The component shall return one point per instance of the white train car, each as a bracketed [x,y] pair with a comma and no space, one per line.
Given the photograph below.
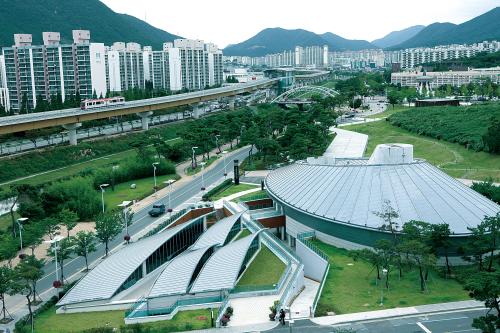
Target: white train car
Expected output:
[90,104]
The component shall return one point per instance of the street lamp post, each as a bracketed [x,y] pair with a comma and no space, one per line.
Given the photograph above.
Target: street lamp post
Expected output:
[202,179]
[20,222]
[193,163]
[217,142]
[224,153]
[169,184]
[154,173]
[102,186]
[57,283]
[124,205]
[384,274]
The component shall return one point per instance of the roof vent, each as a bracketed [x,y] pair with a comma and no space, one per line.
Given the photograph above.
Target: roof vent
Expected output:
[392,153]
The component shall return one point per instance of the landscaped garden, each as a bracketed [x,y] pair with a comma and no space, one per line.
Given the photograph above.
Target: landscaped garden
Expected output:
[50,322]
[452,158]
[233,189]
[351,286]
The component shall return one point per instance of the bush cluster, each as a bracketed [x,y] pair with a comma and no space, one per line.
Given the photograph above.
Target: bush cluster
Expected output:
[476,127]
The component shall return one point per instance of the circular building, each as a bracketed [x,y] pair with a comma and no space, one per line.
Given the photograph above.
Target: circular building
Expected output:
[342,199]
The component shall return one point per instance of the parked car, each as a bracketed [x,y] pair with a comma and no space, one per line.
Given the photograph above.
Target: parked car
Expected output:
[158,209]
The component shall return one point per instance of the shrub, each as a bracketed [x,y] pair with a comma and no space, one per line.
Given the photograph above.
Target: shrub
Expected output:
[219,188]
[488,189]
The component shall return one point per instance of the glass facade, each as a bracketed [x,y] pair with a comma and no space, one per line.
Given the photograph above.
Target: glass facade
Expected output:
[234,230]
[175,245]
[254,247]
[131,280]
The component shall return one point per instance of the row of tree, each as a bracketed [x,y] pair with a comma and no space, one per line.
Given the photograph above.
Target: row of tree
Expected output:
[22,278]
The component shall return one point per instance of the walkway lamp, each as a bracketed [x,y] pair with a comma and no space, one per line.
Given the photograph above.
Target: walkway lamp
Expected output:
[20,222]
[217,142]
[124,205]
[202,179]
[155,164]
[224,153]
[384,274]
[57,283]
[169,184]
[102,186]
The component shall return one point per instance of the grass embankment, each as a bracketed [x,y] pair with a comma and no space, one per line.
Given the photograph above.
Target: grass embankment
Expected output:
[144,188]
[50,322]
[266,269]
[6,221]
[452,158]
[232,190]
[350,286]
[243,233]
[251,195]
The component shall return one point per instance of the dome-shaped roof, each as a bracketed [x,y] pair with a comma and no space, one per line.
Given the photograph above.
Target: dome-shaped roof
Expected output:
[354,192]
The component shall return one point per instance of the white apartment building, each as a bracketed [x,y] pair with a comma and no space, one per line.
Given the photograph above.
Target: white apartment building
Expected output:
[411,58]
[47,70]
[311,56]
[4,92]
[125,67]
[433,80]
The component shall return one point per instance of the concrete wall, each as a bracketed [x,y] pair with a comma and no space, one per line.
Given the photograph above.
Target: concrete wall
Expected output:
[314,265]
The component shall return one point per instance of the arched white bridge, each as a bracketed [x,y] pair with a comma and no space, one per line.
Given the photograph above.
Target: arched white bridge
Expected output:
[299,91]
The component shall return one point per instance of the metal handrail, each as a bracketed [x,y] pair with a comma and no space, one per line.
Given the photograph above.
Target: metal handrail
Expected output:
[320,290]
[304,238]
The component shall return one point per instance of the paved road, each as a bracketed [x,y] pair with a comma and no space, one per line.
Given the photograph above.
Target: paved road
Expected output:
[141,219]
[450,322]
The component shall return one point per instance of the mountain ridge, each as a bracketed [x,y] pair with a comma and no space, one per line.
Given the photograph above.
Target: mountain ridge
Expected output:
[397,37]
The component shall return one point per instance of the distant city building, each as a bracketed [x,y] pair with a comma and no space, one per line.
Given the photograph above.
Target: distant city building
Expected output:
[242,75]
[51,69]
[4,92]
[411,58]
[432,80]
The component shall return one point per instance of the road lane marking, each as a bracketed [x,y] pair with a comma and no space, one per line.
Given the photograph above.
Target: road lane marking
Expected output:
[457,318]
[425,329]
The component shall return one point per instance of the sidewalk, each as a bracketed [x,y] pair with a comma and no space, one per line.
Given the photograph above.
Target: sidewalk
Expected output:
[346,144]
[397,312]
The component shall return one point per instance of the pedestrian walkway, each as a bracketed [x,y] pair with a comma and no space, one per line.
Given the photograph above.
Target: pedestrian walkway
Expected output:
[302,305]
[347,144]
[219,203]
[251,310]
[397,312]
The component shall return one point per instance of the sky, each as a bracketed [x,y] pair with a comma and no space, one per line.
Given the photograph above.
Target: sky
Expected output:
[232,21]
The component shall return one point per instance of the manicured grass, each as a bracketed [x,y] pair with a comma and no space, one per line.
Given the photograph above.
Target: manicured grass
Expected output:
[266,269]
[390,110]
[190,171]
[250,195]
[242,234]
[144,187]
[350,286]
[50,322]
[452,158]
[232,190]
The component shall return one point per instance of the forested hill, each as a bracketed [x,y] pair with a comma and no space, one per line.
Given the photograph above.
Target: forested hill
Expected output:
[106,26]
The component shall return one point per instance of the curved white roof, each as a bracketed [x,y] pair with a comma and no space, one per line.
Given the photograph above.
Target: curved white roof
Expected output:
[105,279]
[353,193]
[176,276]
[221,270]
[216,234]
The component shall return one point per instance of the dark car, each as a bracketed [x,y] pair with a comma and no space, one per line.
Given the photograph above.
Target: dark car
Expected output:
[158,209]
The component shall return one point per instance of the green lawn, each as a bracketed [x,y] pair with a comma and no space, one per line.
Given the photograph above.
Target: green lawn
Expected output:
[452,158]
[266,269]
[144,187]
[350,287]
[50,322]
[232,190]
[389,111]
[251,195]
[242,234]
[190,171]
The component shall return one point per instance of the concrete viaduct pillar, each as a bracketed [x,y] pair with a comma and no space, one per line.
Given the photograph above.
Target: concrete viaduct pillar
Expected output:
[145,116]
[196,111]
[71,128]
[232,101]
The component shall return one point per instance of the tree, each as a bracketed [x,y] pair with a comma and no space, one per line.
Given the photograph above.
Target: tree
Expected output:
[487,324]
[68,218]
[84,242]
[440,240]
[107,227]
[64,251]
[52,227]
[27,272]
[393,98]
[9,247]
[485,287]
[6,281]
[483,241]
[33,236]
[419,254]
